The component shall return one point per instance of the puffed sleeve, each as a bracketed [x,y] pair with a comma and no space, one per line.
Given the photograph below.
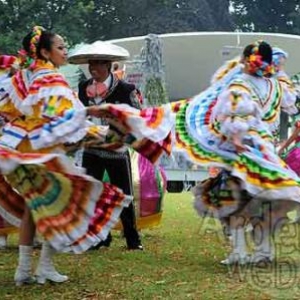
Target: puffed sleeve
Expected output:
[7,108]
[289,94]
[63,126]
[235,111]
[67,122]
[62,113]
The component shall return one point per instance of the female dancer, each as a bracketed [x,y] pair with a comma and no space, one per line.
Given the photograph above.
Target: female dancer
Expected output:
[292,148]
[292,157]
[70,210]
[7,69]
[232,126]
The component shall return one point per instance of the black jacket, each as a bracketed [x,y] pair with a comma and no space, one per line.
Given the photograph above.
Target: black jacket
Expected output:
[120,92]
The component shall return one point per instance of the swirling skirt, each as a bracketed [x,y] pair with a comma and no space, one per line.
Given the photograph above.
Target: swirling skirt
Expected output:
[71,210]
[293,159]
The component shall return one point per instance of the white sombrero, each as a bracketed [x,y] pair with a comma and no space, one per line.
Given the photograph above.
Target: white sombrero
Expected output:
[98,51]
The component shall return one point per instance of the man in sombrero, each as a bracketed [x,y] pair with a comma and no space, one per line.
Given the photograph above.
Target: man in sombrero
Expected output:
[105,87]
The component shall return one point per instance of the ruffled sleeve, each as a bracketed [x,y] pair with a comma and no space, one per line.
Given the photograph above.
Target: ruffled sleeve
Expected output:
[236,112]
[228,71]
[70,127]
[7,108]
[62,116]
[66,123]
[289,94]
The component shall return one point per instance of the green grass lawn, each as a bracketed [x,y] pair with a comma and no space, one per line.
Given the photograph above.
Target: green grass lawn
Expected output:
[180,261]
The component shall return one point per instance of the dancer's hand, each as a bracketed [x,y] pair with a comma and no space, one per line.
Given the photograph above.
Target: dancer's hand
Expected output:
[281,150]
[238,144]
[282,146]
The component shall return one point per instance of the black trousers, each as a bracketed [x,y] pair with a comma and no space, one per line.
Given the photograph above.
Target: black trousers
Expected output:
[119,172]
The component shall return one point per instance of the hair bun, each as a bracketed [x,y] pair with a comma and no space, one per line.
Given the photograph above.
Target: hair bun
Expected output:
[36,34]
[258,58]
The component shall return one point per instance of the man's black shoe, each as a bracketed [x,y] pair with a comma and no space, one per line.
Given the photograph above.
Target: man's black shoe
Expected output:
[105,243]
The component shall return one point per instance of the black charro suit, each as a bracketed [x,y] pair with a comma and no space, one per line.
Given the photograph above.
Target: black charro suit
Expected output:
[116,164]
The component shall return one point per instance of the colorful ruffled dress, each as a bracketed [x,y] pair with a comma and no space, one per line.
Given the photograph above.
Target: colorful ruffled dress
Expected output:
[71,210]
[293,155]
[249,106]
[148,131]
[6,63]
[204,128]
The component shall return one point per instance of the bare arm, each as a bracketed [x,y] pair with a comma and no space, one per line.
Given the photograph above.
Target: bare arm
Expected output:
[290,140]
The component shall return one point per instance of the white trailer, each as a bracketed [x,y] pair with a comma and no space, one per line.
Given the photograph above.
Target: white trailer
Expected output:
[191,58]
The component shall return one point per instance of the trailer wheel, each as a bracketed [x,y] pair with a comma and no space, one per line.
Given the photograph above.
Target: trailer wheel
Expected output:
[175,186]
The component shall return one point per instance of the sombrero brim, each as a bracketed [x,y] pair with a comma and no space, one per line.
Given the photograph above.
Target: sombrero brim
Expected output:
[98,51]
[85,58]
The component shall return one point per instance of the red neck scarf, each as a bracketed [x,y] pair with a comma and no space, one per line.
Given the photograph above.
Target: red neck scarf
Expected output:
[96,89]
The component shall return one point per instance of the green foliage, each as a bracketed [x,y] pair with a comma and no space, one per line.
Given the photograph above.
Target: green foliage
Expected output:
[134,18]
[90,20]
[66,17]
[180,261]
[279,16]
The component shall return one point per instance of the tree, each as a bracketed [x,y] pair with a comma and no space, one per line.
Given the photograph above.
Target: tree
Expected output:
[266,16]
[90,20]
[141,17]
[68,17]
[295,17]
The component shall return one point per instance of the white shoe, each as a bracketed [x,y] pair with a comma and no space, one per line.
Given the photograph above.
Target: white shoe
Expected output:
[239,254]
[235,258]
[264,251]
[22,278]
[261,257]
[42,275]
[23,272]
[46,270]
